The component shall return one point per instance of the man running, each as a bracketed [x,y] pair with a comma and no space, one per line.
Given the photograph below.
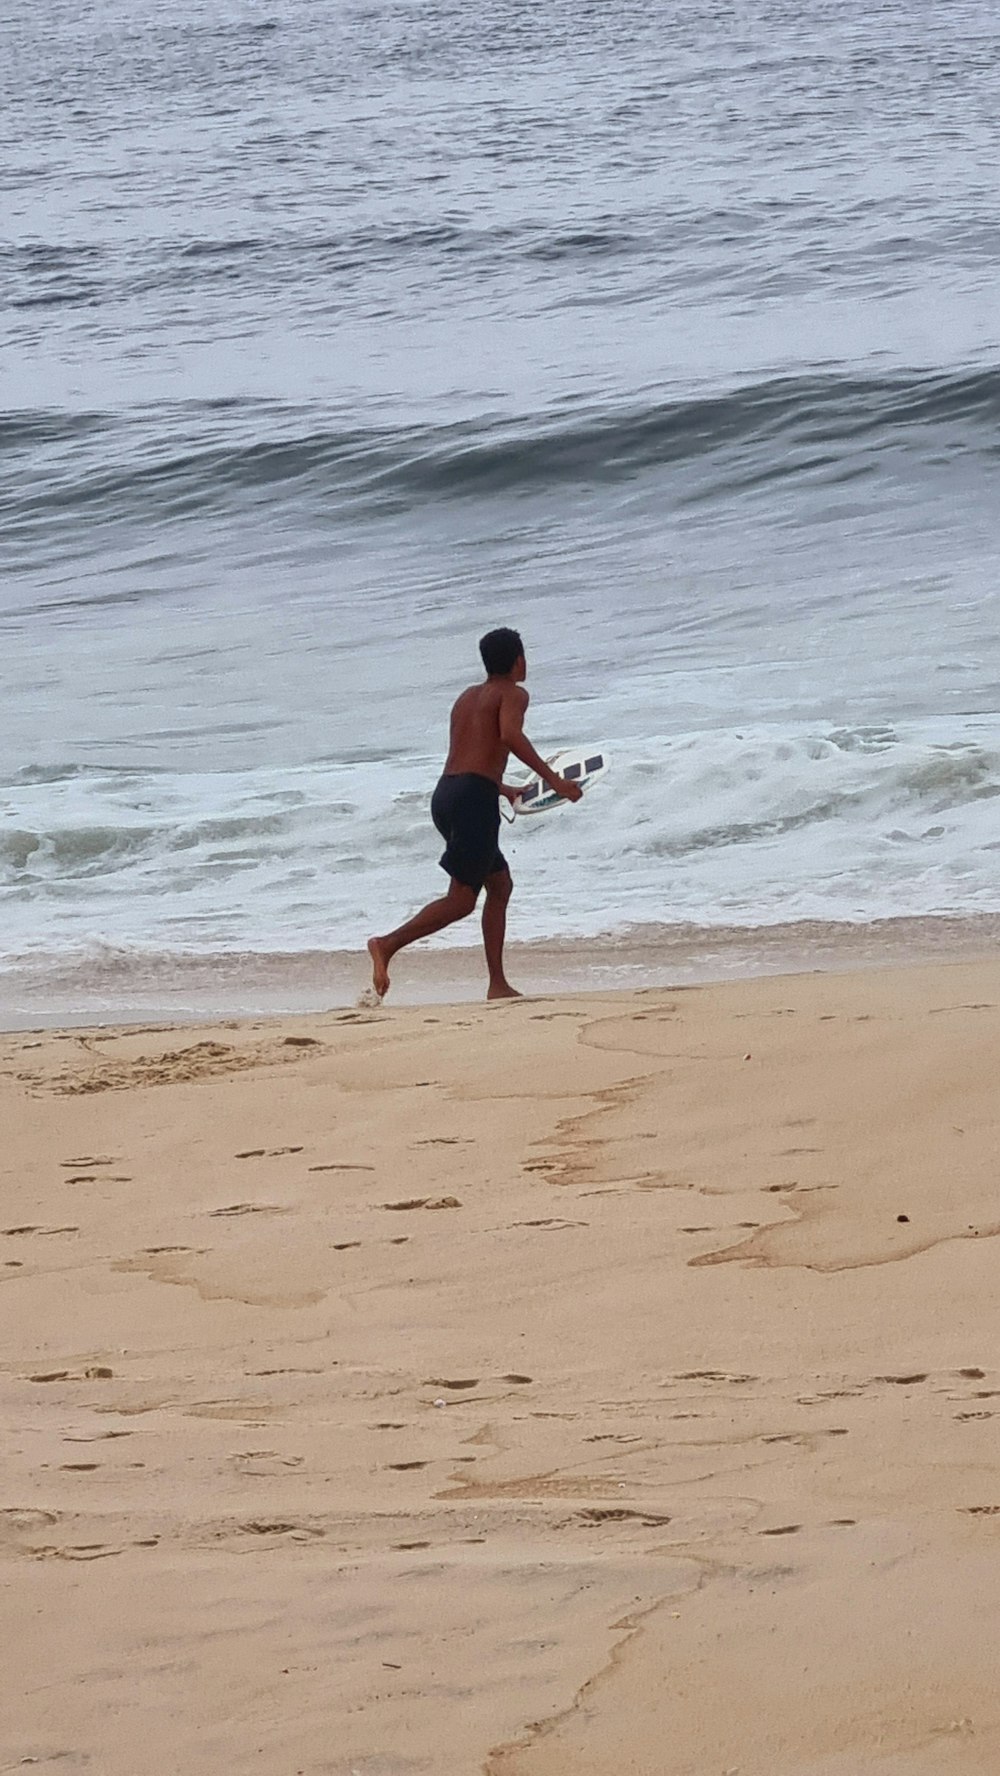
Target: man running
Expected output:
[487,723]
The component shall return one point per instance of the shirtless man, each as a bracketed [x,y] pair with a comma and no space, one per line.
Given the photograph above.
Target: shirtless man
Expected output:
[487,723]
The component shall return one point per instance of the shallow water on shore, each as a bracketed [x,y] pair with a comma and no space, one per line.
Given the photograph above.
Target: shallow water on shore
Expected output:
[121,987]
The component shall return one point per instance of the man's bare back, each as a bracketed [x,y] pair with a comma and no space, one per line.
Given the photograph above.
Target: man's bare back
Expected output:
[478,719]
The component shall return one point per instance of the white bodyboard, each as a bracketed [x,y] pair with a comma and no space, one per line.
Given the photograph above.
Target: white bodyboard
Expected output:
[582,765]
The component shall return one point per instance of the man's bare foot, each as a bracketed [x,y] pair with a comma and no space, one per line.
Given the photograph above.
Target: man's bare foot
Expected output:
[503,990]
[380,967]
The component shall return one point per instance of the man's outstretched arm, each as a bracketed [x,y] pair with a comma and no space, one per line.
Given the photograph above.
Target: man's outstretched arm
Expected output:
[516,740]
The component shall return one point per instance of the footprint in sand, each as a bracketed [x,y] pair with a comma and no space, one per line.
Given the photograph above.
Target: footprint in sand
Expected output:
[97,1372]
[16,1232]
[268,1152]
[805,1439]
[342,1166]
[21,1529]
[550,1224]
[426,1202]
[292,1369]
[264,1463]
[250,1209]
[622,1514]
[298,1532]
[79,1551]
[99,1437]
[17,1521]
[611,1437]
[714,1375]
[93,1178]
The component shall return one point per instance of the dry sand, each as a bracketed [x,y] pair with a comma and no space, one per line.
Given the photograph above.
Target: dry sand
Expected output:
[570,1388]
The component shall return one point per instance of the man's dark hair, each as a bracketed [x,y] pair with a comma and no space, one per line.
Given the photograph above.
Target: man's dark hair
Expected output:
[500,649]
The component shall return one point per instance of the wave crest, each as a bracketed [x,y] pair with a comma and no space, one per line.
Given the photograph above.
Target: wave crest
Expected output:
[830,426]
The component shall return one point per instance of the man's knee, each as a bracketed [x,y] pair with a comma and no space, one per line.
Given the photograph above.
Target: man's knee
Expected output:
[500,887]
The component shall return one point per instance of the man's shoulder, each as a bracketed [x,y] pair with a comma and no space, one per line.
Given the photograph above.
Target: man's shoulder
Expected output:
[515,693]
[494,692]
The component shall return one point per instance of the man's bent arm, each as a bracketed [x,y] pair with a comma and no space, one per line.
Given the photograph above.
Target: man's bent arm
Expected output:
[516,740]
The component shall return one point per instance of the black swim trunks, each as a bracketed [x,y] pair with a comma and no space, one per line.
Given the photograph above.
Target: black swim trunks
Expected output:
[466,811]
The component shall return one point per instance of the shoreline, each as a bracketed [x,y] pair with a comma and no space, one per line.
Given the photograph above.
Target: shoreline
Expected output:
[121,988]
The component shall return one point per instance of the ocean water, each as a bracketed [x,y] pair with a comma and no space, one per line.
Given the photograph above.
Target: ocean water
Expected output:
[332,336]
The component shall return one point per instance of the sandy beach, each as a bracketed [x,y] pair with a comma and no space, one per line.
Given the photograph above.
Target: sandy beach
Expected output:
[571,1387]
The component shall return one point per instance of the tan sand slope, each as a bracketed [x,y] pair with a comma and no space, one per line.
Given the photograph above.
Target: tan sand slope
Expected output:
[591,1386]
